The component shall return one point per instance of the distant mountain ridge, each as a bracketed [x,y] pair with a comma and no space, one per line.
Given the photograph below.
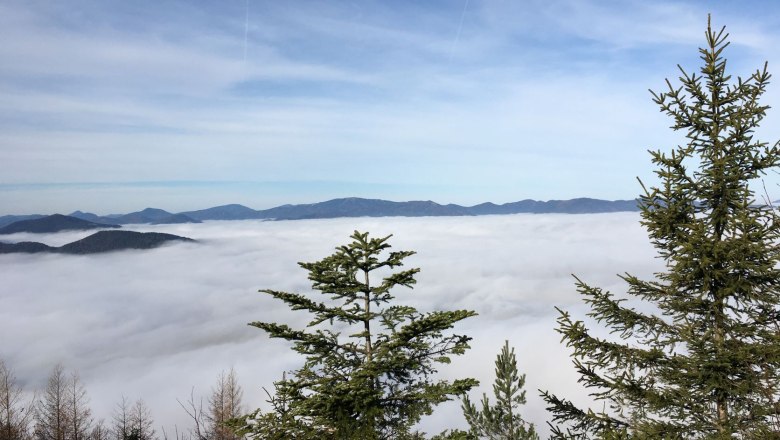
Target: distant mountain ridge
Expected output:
[224,212]
[102,241]
[152,216]
[353,207]
[6,220]
[359,207]
[53,223]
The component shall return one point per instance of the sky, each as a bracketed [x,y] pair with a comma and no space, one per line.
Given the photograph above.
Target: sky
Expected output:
[114,106]
[163,323]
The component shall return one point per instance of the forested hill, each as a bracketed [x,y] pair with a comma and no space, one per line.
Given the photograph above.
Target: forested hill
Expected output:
[103,241]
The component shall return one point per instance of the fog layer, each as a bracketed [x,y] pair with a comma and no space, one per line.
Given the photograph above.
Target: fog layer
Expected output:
[154,324]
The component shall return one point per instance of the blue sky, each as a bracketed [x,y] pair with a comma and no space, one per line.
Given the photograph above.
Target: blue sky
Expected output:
[112,106]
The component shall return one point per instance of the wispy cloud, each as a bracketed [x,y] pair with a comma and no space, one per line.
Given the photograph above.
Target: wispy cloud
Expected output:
[532,99]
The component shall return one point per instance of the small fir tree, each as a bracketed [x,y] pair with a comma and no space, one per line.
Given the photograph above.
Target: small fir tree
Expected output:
[16,413]
[224,405]
[141,423]
[99,431]
[370,364]
[501,421]
[703,361]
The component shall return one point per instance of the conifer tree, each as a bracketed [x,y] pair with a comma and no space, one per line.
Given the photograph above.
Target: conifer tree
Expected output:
[77,409]
[141,422]
[501,421]
[132,421]
[100,432]
[15,413]
[701,359]
[121,423]
[51,417]
[224,405]
[370,363]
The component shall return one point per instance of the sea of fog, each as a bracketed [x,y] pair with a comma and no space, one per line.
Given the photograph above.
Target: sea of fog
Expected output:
[161,323]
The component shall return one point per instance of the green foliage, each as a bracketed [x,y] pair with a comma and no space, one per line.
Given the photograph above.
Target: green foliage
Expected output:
[700,359]
[502,420]
[369,365]
[455,434]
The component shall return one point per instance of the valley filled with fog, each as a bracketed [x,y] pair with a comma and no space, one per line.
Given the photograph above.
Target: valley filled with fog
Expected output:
[154,324]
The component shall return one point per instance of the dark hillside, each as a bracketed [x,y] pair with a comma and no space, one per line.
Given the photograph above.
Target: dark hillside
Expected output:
[107,241]
[53,223]
[25,247]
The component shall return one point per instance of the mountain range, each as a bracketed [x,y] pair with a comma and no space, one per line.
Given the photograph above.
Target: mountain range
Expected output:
[349,207]
[53,223]
[147,216]
[102,241]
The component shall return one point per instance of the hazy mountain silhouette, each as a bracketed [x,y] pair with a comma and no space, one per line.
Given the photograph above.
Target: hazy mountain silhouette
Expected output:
[88,216]
[224,212]
[175,219]
[149,215]
[573,206]
[53,223]
[8,219]
[359,207]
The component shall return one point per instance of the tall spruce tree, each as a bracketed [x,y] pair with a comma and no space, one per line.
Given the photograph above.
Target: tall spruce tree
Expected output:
[77,409]
[370,364]
[51,416]
[704,363]
[501,421]
[121,424]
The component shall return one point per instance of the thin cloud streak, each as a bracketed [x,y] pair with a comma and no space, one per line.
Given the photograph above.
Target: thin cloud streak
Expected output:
[157,92]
